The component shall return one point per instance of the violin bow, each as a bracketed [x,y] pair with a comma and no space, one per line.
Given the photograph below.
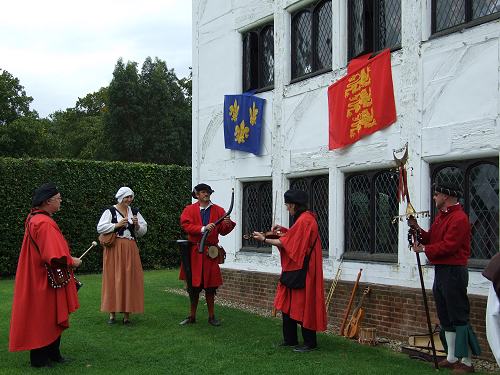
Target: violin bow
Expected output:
[219,220]
[410,211]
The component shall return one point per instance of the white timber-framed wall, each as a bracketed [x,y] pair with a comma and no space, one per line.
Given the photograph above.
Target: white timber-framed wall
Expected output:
[447,103]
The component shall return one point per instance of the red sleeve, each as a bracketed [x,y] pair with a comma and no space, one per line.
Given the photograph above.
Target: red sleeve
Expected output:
[225,228]
[187,221]
[299,238]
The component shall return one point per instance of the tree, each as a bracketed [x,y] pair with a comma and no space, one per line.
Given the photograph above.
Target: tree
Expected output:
[122,120]
[81,129]
[149,114]
[27,136]
[14,103]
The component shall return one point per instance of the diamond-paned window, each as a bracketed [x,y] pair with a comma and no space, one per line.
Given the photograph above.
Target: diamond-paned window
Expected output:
[453,15]
[317,189]
[479,182]
[312,39]
[373,26]
[257,212]
[371,204]
[258,58]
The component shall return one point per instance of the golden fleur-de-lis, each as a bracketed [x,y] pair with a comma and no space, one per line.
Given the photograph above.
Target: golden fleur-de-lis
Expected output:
[233,110]
[241,132]
[253,114]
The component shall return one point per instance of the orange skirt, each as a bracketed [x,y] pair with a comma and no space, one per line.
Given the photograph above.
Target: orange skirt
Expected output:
[122,278]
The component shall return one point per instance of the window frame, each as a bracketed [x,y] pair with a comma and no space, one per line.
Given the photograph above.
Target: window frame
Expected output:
[372,256]
[310,181]
[465,166]
[468,23]
[256,60]
[313,10]
[259,247]
[371,29]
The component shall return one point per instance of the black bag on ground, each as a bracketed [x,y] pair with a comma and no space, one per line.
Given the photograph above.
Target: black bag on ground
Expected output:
[297,279]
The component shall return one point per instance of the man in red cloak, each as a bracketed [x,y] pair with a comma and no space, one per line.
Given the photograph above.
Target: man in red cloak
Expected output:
[40,312]
[304,306]
[205,271]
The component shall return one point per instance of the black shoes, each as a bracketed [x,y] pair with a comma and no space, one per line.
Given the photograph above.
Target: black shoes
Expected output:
[111,321]
[126,321]
[287,344]
[188,320]
[214,321]
[303,349]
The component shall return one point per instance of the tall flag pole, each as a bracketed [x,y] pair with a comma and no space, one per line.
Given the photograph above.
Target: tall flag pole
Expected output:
[403,195]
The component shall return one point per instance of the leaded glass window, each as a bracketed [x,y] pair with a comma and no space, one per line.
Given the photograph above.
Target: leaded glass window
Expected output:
[452,15]
[312,39]
[371,204]
[317,189]
[479,182]
[257,212]
[258,58]
[373,26]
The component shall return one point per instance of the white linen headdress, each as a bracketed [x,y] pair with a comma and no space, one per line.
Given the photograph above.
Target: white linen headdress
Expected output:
[123,192]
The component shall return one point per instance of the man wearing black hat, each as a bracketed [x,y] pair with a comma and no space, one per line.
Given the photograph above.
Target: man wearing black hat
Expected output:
[300,248]
[196,219]
[41,306]
[447,246]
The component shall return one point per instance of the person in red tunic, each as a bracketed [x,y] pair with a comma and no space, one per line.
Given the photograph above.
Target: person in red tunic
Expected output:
[205,271]
[40,312]
[447,246]
[305,306]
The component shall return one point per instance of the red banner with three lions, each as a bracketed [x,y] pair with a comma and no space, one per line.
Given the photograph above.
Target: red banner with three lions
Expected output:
[362,102]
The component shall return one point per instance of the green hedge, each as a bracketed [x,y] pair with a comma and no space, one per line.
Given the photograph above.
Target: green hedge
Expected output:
[87,189]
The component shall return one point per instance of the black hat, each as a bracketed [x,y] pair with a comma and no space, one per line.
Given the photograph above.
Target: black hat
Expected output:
[449,189]
[201,187]
[297,197]
[42,193]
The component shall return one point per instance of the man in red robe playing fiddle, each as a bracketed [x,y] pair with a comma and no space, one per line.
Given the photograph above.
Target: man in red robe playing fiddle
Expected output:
[304,306]
[195,220]
[40,312]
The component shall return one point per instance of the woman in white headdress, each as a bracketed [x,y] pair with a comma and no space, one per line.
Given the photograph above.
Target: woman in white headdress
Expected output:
[122,276]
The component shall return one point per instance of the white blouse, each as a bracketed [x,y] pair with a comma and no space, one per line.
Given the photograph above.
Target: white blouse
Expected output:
[106,226]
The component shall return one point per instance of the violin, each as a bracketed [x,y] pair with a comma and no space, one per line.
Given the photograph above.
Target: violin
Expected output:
[273,235]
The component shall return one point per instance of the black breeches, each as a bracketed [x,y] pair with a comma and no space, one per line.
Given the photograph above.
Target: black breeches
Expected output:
[290,333]
[450,295]
[41,356]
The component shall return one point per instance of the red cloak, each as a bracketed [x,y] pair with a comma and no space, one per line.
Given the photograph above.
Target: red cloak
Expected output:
[39,312]
[201,264]
[305,305]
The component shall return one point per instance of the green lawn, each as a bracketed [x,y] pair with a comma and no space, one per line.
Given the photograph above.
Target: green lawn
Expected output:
[156,344]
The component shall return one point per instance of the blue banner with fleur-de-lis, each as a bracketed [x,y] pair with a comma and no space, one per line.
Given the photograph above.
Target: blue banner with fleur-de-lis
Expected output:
[243,122]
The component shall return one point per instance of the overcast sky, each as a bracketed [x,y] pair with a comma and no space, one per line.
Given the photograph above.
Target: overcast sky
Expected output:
[63,50]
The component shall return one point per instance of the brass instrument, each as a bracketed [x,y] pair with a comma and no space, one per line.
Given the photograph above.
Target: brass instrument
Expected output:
[334,284]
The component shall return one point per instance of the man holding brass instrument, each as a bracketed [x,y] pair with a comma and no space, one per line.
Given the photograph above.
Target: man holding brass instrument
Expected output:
[197,219]
[45,291]
[447,246]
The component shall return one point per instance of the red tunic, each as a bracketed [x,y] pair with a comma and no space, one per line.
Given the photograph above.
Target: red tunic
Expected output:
[39,312]
[448,240]
[303,305]
[201,263]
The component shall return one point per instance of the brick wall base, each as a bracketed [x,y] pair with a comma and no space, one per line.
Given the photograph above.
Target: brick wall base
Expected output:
[395,312]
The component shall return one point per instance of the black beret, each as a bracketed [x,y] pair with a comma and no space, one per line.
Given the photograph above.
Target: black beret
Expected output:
[201,187]
[296,196]
[449,189]
[42,193]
